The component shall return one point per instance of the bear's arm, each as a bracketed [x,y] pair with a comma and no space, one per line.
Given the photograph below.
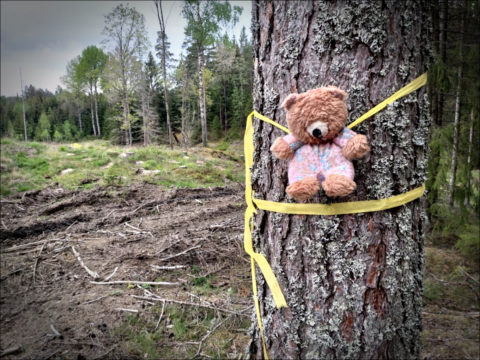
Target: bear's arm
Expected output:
[354,146]
[285,147]
[345,135]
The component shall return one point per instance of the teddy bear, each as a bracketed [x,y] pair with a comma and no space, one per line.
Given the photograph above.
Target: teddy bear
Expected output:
[320,149]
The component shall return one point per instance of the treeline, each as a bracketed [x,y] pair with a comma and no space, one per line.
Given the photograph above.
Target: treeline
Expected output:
[453,185]
[130,92]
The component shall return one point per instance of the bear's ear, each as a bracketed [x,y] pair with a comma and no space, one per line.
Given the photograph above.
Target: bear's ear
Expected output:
[289,101]
[336,92]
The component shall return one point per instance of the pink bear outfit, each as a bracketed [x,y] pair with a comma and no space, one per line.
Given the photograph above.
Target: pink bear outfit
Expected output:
[319,161]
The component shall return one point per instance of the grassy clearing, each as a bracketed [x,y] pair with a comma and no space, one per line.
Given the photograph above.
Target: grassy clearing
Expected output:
[32,165]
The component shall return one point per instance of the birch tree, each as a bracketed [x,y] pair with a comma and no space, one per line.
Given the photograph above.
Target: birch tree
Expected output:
[90,69]
[126,40]
[353,283]
[203,23]
[74,85]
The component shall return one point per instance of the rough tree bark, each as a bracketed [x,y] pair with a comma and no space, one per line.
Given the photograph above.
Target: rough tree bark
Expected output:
[353,283]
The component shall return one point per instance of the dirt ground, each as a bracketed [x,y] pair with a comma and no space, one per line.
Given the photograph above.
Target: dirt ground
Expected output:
[51,309]
[56,243]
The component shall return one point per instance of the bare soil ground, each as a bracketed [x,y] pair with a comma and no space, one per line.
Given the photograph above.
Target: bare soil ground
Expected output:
[51,309]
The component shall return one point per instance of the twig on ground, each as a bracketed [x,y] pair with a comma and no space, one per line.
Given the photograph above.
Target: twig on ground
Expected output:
[127,310]
[111,275]
[36,261]
[97,299]
[180,253]
[189,304]
[11,273]
[4,226]
[133,282]
[133,227]
[160,318]
[11,350]
[55,331]
[90,272]
[208,334]
[469,276]
[25,246]
[171,267]
[69,226]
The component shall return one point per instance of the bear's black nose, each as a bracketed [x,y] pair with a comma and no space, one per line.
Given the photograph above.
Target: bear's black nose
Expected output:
[317,133]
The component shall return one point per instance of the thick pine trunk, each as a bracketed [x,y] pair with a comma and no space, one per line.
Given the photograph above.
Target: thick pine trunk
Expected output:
[353,283]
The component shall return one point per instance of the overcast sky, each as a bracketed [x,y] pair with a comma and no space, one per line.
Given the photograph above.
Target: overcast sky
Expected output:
[41,37]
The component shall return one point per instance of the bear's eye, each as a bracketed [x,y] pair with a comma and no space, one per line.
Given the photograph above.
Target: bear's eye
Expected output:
[318,129]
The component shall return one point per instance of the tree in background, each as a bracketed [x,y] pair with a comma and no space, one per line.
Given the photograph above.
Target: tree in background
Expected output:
[164,54]
[149,87]
[74,84]
[90,69]
[203,23]
[353,283]
[126,39]
[42,130]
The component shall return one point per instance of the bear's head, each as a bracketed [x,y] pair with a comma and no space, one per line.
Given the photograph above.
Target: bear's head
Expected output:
[316,116]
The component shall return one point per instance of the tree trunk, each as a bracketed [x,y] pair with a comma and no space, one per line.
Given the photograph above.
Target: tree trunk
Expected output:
[201,98]
[99,132]
[92,112]
[456,123]
[161,21]
[353,283]
[442,48]
[79,114]
[469,161]
[23,108]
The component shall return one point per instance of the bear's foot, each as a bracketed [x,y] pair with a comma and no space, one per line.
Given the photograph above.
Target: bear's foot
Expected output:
[303,190]
[338,185]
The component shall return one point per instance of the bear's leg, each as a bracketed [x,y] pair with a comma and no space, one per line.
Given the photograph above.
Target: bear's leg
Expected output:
[304,189]
[338,185]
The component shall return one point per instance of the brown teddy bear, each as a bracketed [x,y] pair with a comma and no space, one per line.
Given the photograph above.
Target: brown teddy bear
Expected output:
[320,148]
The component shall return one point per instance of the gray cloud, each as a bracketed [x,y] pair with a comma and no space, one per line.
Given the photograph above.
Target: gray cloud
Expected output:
[42,36]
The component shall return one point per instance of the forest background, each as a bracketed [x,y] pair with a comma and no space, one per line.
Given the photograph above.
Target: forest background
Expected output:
[127,92]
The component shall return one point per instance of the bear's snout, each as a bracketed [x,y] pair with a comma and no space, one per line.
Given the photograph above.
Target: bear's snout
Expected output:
[318,129]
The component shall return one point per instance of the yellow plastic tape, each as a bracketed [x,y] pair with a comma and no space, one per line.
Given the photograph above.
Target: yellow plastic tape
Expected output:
[410,87]
[308,209]
[352,207]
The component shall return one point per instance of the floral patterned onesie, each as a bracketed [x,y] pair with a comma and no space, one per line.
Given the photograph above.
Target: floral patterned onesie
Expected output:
[319,161]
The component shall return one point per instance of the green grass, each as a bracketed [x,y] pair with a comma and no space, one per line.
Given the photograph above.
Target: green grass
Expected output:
[32,165]
[138,337]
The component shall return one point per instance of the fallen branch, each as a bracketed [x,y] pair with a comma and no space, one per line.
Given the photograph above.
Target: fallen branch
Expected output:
[180,253]
[118,282]
[127,310]
[189,304]
[55,331]
[160,318]
[90,272]
[208,334]
[36,261]
[93,300]
[172,267]
[111,275]
[11,350]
